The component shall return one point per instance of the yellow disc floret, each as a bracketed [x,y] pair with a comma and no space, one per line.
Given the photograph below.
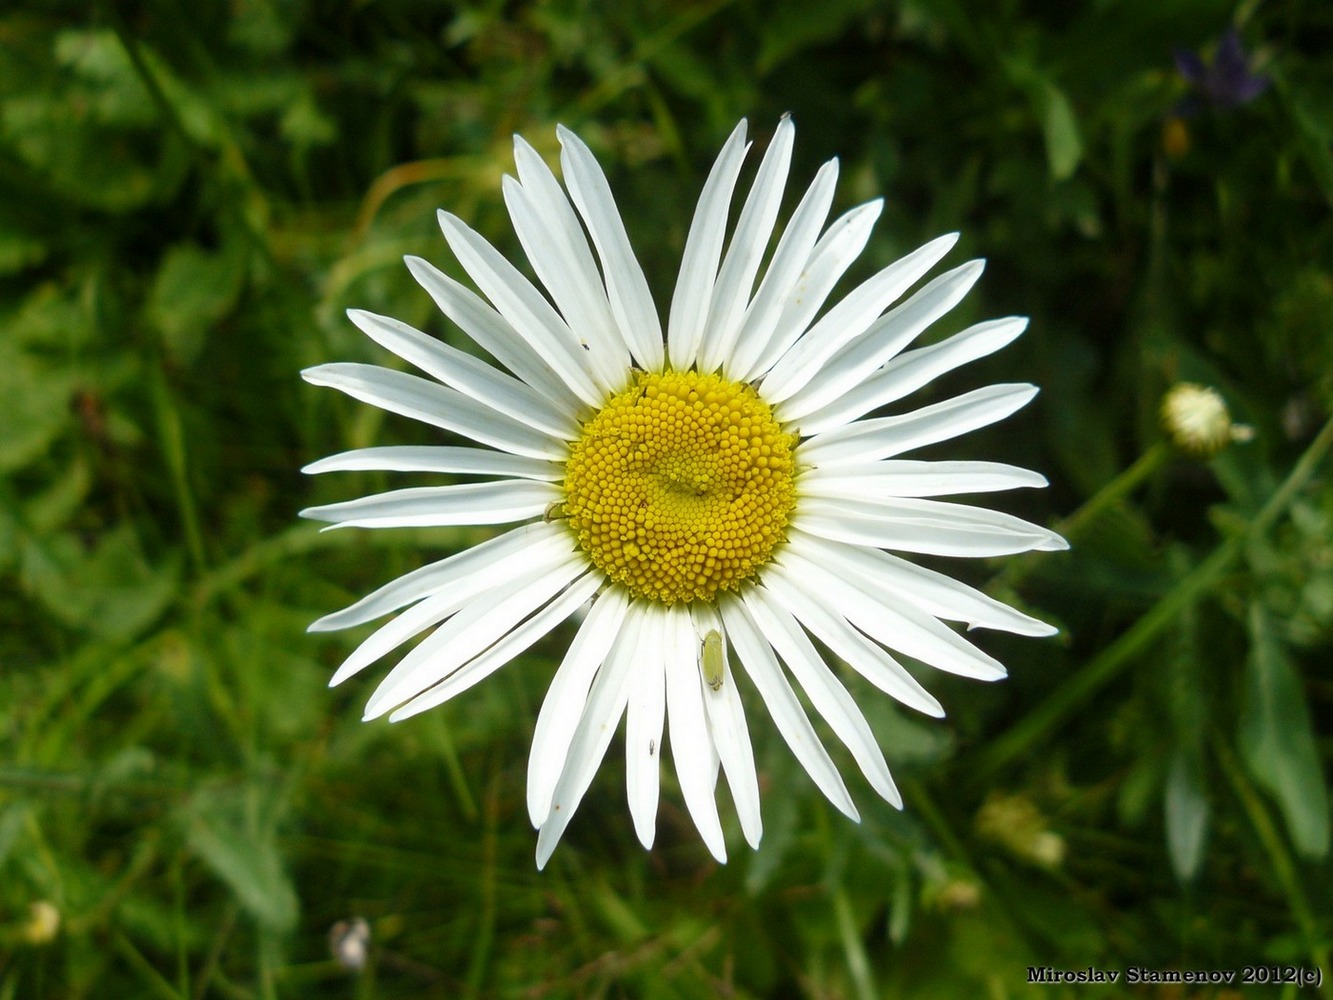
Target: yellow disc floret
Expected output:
[680,486]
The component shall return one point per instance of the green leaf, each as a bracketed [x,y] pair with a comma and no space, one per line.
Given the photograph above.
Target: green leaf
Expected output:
[243,852]
[36,405]
[1277,741]
[1064,144]
[193,290]
[1187,814]
[111,589]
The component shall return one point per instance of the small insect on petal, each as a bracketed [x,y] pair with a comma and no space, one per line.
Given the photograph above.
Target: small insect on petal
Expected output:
[711,659]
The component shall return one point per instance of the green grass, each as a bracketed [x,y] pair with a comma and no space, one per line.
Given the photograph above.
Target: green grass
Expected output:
[191,195]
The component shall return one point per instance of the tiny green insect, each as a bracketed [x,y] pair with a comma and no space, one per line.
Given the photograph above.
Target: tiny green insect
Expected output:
[712,659]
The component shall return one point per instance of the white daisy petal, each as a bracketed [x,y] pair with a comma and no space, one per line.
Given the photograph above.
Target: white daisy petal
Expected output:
[643,726]
[888,335]
[849,319]
[560,256]
[729,733]
[789,259]
[534,319]
[626,287]
[693,296]
[491,331]
[511,645]
[598,723]
[861,654]
[434,404]
[913,369]
[904,478]
[436,506]
[920,636]
[470,376]
[449,596]
[762,667]
[829,697]
[930,527]
[884,437]
[565,698]
[691,745]
[832,255]
[932,592]
[422,582]
[748,244]
[471,630]
[437,458]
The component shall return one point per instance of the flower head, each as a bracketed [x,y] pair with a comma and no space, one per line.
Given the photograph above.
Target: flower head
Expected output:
[1197,420]
[715,497]
[1223,84]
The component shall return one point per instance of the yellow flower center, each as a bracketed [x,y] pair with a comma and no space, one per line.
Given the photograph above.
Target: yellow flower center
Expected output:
[680,486]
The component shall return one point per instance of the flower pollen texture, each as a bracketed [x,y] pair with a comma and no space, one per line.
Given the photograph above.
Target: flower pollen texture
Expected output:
[680,486]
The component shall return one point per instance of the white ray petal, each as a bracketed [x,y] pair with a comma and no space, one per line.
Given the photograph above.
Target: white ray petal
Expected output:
[884,437]
[913,369]
[437,458]
[899,627]
[932,592]
[470,376]
[864,656]
[905,478]
[754,228]
[756,656]
[435,506]
[565,266]
[562,708]
[527,311]
[693,296]
[514,642]
[425,580]
[626,287]
[730,735]
[848,319]
[789,259]
[691,744]
[597,724]
[448,597]
[832,255]
[930,527]
[491,331]
[888,335]
[476,626]
[437,405]
[643,726]
[826,694]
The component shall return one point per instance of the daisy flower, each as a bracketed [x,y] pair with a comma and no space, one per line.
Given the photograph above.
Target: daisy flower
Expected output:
[714,498]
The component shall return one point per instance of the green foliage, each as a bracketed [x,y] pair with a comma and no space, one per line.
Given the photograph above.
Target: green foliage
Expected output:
[191,195]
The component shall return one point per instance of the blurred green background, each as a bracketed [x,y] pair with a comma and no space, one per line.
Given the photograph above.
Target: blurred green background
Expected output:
[191,195]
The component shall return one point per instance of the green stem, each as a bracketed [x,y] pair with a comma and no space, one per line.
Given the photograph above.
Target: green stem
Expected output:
[1107,664]
[1284,868]
[172,439]
[853,948]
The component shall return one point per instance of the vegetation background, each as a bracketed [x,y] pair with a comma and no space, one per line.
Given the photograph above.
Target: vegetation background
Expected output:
[191,195]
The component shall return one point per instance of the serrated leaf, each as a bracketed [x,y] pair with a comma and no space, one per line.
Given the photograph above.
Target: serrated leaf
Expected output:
[36,405]
[245,859]
[194,288]
[1277,741]
[111,589]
